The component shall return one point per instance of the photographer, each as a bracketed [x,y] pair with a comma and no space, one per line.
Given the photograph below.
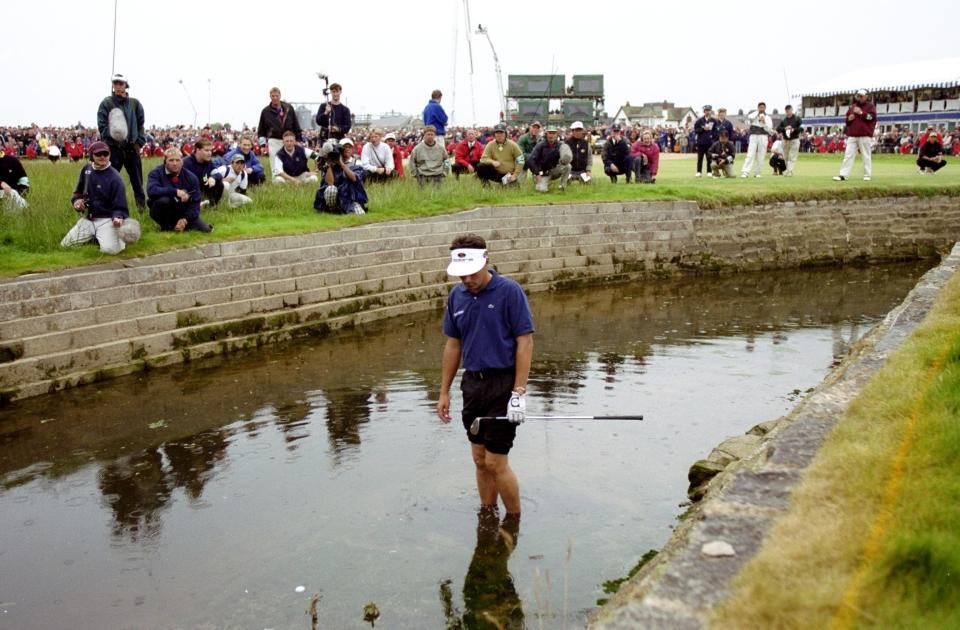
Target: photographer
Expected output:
[333,116]
[342,190]
[722,154]
[102,198]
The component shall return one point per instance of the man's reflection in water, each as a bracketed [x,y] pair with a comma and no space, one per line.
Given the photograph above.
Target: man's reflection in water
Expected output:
[489,595]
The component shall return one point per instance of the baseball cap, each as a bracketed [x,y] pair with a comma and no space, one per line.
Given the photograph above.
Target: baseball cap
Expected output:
[345,141]
[97,147]
[390,136]
[708,108]
[552,128]
[576,125]
[238,157]
[536,123]
[465,262]
[616,128]
[861,92]
[119,78]
[502,128]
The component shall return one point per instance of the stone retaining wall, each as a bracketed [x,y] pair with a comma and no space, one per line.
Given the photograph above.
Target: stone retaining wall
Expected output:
[66,329]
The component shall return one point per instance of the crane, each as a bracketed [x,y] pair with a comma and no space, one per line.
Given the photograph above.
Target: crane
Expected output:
[496,64]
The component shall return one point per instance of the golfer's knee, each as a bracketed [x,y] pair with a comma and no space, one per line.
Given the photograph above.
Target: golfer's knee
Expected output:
[480,461]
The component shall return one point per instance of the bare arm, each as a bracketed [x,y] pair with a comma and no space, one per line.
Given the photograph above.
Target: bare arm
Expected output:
[523,360]
[448,369]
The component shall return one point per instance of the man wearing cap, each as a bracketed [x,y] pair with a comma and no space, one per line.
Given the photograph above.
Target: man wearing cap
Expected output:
[252,165]
[342,188]
[861,122]
[276,119]
[545,162]
[101,197]
[391,140]
[616,156]
[722,153]
[502,159]
[428,160]
[14,183]
[120,121]
[581,165]
[789,129]
[705,128]
[434,116]
[761,127]
[376,159]
[333,116]
[489,328]
[294,167]
[173,195]
[527,141]
[202,164]
[235,181]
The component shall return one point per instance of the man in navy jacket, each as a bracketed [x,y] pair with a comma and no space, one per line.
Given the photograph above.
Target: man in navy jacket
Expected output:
[173,195]
[207,170]
[334,117]
[102,198]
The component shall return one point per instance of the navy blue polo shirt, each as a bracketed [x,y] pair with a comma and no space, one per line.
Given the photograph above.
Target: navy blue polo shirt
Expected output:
[488,323]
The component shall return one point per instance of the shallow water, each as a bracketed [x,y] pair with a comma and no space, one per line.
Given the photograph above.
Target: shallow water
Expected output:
[205,495]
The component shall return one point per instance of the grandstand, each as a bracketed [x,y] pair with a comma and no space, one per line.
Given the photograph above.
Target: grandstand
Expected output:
[908,96]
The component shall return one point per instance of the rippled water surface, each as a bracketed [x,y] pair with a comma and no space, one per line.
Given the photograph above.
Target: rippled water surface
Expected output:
[225,494]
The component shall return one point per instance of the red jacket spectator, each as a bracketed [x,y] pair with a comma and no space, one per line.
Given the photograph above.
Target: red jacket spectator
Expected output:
[464,155]
[31,151]
[652,151]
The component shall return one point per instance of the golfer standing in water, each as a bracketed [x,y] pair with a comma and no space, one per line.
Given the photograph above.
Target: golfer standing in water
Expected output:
[489,327]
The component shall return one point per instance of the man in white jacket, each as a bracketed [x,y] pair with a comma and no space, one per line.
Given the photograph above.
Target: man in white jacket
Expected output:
[761,127]
[235,181]
[376,159]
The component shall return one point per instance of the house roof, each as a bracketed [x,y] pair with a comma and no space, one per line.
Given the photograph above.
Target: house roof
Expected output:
[901,76]
[676,113]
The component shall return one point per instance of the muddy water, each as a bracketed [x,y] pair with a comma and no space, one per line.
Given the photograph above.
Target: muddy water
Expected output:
[225,494]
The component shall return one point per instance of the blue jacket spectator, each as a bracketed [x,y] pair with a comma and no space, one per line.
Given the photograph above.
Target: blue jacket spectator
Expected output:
[433,113]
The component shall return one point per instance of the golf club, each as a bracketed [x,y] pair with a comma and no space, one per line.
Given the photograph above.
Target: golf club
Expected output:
[475,425]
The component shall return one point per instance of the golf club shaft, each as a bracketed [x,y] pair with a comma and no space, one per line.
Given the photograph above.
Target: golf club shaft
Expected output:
[530,417]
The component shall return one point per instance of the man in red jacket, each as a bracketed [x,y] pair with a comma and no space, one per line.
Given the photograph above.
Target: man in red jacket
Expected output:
[391,140]
[861,121]
[467,154]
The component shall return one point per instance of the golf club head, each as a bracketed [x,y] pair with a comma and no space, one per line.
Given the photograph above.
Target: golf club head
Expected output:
[475,426]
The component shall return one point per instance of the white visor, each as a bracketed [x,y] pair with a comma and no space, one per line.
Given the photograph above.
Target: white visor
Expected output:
[465,262]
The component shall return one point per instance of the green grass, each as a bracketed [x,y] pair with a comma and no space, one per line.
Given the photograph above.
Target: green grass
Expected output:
[29,240]
[872,538]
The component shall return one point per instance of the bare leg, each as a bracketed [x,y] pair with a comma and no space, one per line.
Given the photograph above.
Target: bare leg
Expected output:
[486,482]
[506,482]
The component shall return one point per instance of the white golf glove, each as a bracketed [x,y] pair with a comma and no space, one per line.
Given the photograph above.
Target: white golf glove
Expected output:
[517,409]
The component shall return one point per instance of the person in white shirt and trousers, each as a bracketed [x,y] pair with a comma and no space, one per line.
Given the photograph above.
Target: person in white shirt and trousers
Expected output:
[761,127]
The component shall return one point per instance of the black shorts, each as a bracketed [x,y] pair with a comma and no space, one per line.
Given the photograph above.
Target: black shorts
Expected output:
[488,394]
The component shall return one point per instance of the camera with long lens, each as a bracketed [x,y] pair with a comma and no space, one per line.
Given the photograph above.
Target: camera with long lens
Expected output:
[330,152]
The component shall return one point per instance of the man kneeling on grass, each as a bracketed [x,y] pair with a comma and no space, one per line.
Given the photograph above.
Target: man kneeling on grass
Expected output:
[342,190]
[235,181]
[173,195]
[102,198]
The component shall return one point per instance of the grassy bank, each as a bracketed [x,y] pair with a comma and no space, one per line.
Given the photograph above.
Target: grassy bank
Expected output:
[29,239]
[872,536]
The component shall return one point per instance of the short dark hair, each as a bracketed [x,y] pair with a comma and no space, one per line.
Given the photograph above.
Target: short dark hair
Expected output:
[436,94]
[204,144]
[788,107]
[468,241]
[761,103]
[336,86]
[724,133]
[289,133]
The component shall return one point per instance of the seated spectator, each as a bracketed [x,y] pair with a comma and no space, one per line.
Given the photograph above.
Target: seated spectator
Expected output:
[501,160]
[397,152]
[205,168]
[14,183]
[645,154]
[235,181]
[101,196]
[616,156]
[528,141]
[581,166]
[545,162]
[292,160]
[173,196]
[342,189]
[254,168]
[377,159]
[721,154]
[428,160]
[930,157]
[467,154]
[777,162]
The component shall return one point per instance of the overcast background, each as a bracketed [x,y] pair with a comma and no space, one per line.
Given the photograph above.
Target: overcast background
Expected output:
[389,55]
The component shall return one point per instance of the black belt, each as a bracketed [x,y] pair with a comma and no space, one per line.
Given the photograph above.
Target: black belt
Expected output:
[487,372]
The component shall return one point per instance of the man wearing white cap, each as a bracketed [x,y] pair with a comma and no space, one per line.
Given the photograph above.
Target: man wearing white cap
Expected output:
[342,190]
[489,327]
[581,166]
[861,122]
[120,121]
